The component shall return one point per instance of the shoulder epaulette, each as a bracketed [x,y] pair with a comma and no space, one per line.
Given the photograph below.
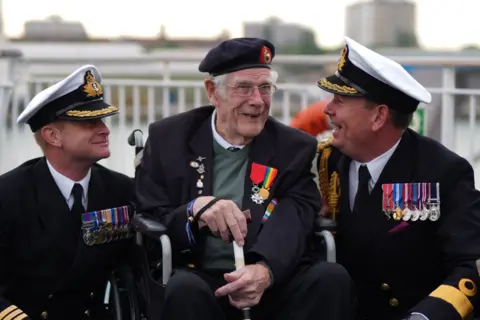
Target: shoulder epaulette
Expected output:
[325,143]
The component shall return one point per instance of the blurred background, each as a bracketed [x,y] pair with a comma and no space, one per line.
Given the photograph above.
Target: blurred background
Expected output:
[148,52]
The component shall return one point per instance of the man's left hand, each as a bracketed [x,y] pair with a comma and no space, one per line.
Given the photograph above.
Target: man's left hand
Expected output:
[245,286]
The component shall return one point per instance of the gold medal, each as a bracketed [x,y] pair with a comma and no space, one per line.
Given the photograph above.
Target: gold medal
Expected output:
[108,235]
[100,236]
[398,214]
[264,193]
[115,235]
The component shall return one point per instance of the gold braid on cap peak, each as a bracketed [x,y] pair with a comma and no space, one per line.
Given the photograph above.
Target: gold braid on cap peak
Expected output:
[329,188]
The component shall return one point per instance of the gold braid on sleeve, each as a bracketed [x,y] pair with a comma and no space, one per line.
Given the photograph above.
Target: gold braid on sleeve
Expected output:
[329,188]
[334,196]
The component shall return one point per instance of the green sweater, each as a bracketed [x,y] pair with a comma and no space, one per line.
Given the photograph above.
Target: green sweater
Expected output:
[228,181]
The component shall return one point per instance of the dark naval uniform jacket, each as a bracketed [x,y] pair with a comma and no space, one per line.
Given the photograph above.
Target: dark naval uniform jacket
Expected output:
[166,182]
[400,266]
[41,274]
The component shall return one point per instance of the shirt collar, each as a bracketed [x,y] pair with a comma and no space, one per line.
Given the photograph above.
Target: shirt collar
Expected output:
[375,166]
[65,184]
[222,142]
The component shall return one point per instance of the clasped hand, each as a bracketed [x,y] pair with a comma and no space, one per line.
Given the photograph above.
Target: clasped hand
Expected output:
[245,286]
[223,218]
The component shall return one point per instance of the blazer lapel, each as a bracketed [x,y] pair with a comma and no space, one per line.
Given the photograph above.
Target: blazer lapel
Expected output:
[261,152]
[53,210]
[200,162]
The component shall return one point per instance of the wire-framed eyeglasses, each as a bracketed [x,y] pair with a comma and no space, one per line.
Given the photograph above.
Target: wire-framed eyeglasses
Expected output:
[246,90]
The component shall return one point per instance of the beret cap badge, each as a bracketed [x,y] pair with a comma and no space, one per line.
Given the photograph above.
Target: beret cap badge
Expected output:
[266,55]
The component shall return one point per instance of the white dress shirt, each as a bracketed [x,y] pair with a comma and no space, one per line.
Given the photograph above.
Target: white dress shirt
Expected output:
[66,185]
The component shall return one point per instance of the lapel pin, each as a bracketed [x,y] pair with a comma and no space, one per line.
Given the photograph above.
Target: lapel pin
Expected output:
[194,164]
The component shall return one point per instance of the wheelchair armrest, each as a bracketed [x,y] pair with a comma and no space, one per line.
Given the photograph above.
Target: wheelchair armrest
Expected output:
[148,226]
[325,229]
[155,230]
[330,247]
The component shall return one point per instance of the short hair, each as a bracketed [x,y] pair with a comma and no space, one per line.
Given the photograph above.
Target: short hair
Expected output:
[398,119]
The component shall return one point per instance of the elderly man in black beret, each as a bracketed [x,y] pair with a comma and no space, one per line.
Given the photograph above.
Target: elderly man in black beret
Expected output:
[229,172]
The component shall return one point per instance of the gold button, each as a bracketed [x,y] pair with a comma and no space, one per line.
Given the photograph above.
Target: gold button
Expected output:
[87,313]
[394,302]
[385,287]
[44,315]
[92,294]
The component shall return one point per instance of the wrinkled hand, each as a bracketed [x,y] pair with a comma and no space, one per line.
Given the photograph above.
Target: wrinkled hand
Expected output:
[245,286]
[222,218]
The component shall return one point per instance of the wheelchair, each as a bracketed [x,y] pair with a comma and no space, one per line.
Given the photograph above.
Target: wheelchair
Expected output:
[136,291]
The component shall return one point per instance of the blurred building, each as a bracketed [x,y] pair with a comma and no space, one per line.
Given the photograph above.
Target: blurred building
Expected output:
[382,23]
[54,29]
[281,33]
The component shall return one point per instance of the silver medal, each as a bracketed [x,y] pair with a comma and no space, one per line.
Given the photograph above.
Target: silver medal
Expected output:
[424,214]
[434,213]
[415,214]
[257,198]
[407,214]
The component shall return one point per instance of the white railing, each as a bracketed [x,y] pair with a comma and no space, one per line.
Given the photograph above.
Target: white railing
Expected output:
[168,63]
[176,56]
[144,101]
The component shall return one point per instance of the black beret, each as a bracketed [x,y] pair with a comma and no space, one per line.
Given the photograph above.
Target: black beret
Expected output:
[238,54]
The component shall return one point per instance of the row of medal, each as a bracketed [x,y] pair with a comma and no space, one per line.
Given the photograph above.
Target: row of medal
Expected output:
[106,225]
[411,201]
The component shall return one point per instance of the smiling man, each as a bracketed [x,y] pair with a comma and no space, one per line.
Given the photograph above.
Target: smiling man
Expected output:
[204,168]
[49,269]
[408,214]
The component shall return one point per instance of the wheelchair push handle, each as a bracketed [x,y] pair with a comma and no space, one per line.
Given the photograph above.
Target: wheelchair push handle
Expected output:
[135,139]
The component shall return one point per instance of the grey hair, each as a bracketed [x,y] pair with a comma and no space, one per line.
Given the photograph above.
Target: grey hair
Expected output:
[221,81]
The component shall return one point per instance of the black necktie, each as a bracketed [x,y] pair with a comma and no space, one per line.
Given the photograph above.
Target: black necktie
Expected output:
[362,192]
[77,192]
[233,149]
[76,217]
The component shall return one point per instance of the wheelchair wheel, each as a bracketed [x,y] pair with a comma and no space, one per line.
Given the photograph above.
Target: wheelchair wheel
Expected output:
[124,295]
